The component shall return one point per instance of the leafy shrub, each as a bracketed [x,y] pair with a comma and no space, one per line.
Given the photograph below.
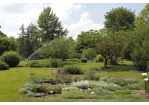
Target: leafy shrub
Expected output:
[56,62]
[85,84]
[3,66]
[90,75]
[33,64]
[75,55]
[27,86]
[36,79]
[83,60]
[11,58]
[47,88]
[81,84]
[45,63]
[119,92]
[70,95]
[63,77]
[66,89]
[89,53]
[71,70]
[138,86]
[99,58]
[120,81]
[77,78]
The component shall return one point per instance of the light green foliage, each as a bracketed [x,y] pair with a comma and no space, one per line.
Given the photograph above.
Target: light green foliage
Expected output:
[119,18]
[109,44]
[4,66]
[77,78]
[71,70]
[119,81]
[11,58]
[70,95]
[4,44]
[24,88]
[33,64]
[99,58]
[36,79]
[50,25]
[13,44]
[143,16]
[83,60]
[89,53]
[70,88]
[56,62]
[87,39]
[140,52]
[58,48]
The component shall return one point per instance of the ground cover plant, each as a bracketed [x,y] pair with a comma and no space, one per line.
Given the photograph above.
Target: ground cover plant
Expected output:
[32,74]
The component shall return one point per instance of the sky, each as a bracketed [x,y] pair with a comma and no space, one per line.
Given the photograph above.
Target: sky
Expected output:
[76,17]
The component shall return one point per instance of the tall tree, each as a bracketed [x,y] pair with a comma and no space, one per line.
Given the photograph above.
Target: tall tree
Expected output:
[50,25]
[109,44]
[119,18]
[13,44]
[143,16]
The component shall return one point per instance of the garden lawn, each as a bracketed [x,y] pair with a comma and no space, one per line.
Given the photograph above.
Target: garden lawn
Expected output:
[11,81]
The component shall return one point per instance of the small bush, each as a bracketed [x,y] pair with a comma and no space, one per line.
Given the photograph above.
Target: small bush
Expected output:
[11,58]
[36,79]
[83,60]
[119,92]
[75,55]
[99,58]
[66,89]
[3,66]
[71,70]
[47,88]
[77,78]
[120,81]
[33,64]
[70,95]
[27,86]
[90,75]
[56,62]
[63,77]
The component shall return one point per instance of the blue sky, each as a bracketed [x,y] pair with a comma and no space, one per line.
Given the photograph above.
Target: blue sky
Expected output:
[76,17]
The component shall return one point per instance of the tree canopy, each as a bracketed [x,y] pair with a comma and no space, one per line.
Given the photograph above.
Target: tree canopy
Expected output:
[50,26]
[119,18]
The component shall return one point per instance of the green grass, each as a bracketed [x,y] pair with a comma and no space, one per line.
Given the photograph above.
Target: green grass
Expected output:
[11,81]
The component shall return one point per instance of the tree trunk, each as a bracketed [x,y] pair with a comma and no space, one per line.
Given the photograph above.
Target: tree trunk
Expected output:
[105,63]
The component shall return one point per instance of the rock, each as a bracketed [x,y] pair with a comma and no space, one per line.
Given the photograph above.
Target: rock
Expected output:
[49,81]
[40,94]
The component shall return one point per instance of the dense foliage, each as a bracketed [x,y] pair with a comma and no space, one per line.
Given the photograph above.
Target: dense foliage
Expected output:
[4,66]
[11,58]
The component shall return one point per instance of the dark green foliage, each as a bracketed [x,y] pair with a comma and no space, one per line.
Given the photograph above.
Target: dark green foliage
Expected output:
[75,55]
[13,44]
[119,18]
[71,70]
[3,66]
[50,25]
[33,64]
[118,81]
[83,60]
[89,53]
[56,62]
[11,58]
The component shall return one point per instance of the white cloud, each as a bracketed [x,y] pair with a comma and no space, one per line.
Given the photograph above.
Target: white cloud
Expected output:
[84,24]
[14,34]
[30,14]
[64,10]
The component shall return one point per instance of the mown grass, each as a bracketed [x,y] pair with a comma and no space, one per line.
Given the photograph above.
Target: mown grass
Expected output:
[11,81]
